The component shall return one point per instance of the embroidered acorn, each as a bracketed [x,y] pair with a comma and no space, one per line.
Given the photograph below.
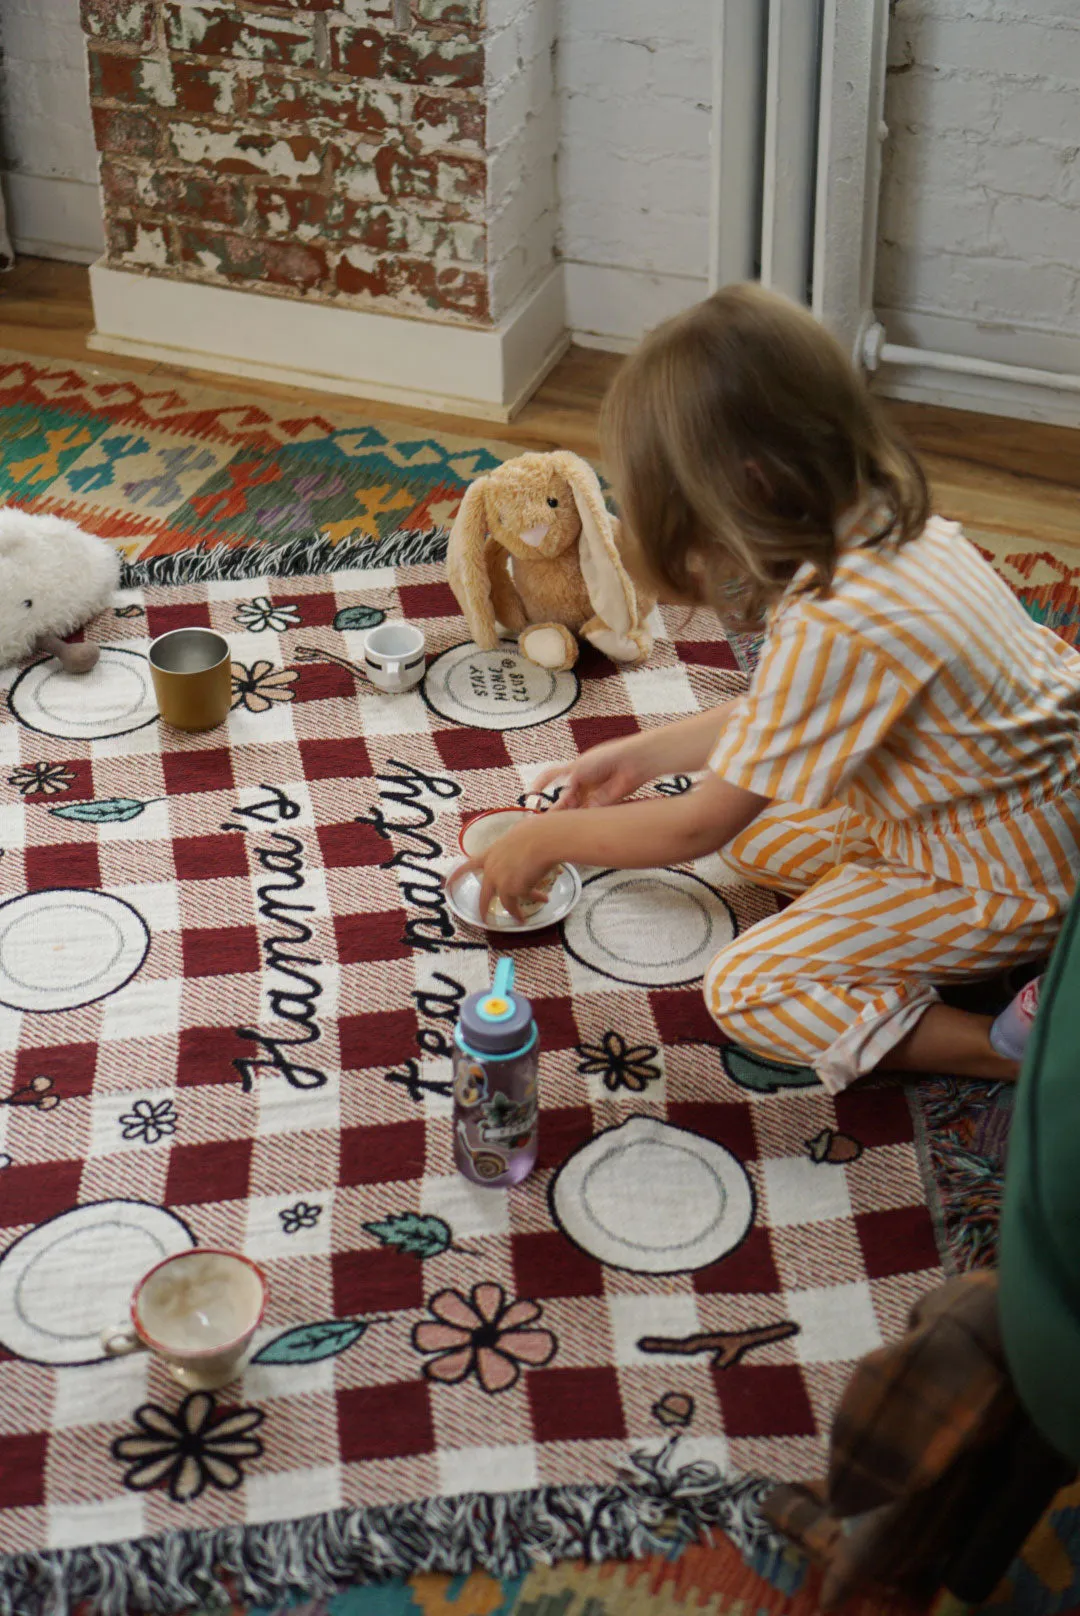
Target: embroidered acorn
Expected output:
[674,1409]
[830,1146]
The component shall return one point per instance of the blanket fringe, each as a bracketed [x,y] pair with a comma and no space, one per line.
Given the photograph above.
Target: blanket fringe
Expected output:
[960,1129]
[313,553]
[279,1561]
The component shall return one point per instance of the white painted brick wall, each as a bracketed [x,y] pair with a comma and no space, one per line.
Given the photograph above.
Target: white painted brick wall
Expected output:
[45,104]
[46,139]
[635,96]
[522,137]
[980,215]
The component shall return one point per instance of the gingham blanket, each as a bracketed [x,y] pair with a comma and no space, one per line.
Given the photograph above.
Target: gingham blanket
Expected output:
[228,978]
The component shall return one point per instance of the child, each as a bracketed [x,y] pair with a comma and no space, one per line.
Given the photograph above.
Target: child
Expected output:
[905,761]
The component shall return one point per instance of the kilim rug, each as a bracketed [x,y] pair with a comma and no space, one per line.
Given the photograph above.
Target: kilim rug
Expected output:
[227,981]
[701,1581]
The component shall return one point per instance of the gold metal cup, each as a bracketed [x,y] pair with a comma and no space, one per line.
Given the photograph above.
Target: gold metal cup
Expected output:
[192,673]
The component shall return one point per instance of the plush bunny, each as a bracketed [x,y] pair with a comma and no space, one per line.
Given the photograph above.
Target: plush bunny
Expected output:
[535,550]
[53,578]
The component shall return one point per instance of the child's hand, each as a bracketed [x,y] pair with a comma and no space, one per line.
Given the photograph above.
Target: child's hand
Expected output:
[604,775]
[630,836]
[511,871]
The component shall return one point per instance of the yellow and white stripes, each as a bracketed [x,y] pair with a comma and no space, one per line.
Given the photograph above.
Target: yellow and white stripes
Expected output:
[919,735]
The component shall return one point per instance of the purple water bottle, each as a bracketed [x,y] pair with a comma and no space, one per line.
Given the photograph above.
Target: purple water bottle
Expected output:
[496,1067]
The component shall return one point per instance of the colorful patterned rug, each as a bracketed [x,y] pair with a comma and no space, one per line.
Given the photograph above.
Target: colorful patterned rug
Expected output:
[228,977]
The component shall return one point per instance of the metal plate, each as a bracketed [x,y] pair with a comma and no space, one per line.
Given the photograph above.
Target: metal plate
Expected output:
[463,900]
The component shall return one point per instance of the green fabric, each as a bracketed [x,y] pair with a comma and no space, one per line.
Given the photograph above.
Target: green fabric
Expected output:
[1040,1229]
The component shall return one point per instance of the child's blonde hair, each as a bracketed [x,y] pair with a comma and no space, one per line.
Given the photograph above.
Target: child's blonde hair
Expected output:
[737,436]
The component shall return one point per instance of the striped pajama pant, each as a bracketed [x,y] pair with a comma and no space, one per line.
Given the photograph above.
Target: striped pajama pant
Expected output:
[838,978]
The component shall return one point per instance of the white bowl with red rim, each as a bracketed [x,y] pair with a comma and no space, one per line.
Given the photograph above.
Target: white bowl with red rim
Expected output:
[484,829]
[478,835]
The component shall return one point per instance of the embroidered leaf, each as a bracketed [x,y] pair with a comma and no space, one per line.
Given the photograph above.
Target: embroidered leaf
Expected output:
[310,1343]
[753,1072]
[109,809]
[359,617]
[408,1231]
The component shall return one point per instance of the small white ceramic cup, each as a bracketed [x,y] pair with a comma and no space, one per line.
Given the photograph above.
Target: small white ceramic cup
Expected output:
[394,656]
[197,1311]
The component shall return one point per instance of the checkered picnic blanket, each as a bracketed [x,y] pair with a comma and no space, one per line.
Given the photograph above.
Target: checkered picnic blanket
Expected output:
[228,979]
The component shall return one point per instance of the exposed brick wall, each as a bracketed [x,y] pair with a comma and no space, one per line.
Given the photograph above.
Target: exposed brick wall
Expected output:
[320,149]
[980,204]
[327,149]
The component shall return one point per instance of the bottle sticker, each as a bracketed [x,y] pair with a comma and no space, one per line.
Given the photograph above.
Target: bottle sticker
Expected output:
[486,1164]
[470,1086]
[507,1123]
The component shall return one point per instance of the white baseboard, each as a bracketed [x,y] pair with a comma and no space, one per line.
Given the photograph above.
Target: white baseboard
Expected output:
[591,339]
[53,218]
[1007,346]
[425,363]
[611,307]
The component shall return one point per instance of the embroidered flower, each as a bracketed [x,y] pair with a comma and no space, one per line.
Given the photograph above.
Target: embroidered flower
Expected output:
[620,1065]
[149,1120]
[46,778]
[482,1335]
[200,1446]
[304,1215]
[258,686]
[260,614]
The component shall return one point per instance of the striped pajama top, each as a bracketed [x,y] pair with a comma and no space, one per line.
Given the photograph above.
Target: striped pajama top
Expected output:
[920,695]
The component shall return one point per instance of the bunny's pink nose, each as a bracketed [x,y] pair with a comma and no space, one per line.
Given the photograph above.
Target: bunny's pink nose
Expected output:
[535,535]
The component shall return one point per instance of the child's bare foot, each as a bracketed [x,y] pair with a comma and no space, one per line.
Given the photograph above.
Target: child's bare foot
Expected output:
[953,1043]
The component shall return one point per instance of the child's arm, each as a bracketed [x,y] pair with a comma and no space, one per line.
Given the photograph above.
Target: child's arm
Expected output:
[632,836]
[616,769]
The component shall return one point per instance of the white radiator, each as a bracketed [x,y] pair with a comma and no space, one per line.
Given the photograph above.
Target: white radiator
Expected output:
[799,88]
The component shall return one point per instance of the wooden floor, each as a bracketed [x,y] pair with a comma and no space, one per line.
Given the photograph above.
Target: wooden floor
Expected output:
[1010,477]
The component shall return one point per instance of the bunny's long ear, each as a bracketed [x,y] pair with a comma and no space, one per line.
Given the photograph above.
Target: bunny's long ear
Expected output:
[466,567]
[610,590]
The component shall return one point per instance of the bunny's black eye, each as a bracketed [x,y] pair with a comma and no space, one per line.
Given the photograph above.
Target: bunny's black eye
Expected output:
[553,503]
[28,603]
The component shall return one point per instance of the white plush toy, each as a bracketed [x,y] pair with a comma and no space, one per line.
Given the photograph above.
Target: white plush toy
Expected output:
[53,578]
